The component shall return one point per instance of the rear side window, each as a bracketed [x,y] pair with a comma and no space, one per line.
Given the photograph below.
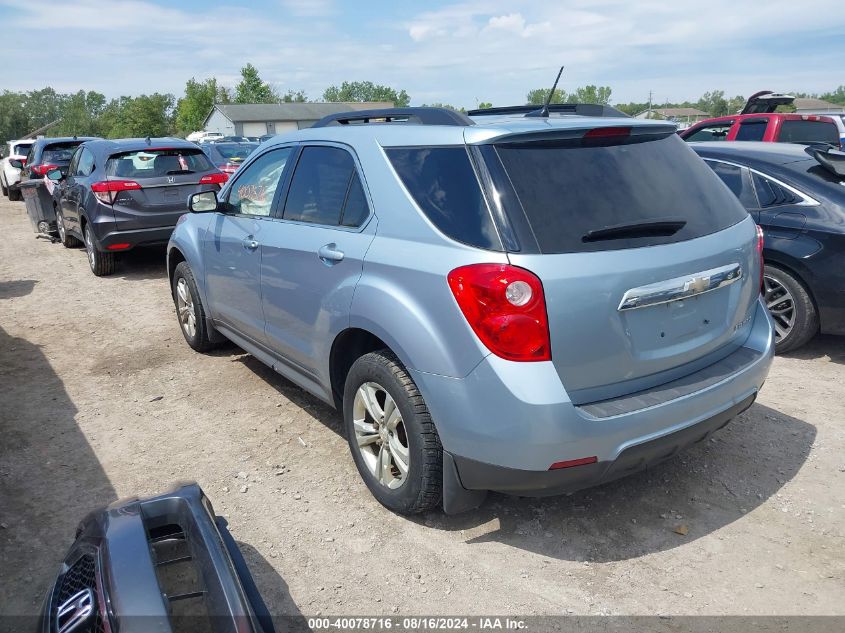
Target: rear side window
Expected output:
[58,152]
[21,150]
[322,190]
[771,194]
[85,164]
[751,131]
[156,163]
[610,197]
[793,131]
[710,133]
[736,178]
[443,184]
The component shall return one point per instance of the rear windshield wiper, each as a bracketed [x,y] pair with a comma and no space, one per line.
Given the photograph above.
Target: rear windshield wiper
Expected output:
[654,228]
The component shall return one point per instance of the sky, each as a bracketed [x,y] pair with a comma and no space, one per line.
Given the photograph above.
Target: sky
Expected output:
[438,51]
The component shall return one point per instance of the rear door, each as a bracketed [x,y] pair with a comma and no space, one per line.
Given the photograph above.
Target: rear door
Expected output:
[647,260]
[77,180]
[233,245]
[313,256]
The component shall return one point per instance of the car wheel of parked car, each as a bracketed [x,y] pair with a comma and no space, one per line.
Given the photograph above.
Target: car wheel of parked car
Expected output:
[391,435]
[102,264]
[67,240]
[189,309]
[792,309]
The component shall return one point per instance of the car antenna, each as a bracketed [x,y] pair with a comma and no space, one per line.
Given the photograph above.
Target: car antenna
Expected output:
[149,141]
[544,111]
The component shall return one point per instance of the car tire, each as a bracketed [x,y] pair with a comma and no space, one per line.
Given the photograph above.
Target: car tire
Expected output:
[67,240]
[791,307]
[189,309]
[3,187]
[102,263]
[14,195]
[406,440]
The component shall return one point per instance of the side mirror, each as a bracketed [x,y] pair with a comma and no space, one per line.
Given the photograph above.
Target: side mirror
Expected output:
[17,163]
[203,202]
[55,175]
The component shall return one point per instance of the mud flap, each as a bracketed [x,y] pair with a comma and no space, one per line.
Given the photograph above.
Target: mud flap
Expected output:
[456,498]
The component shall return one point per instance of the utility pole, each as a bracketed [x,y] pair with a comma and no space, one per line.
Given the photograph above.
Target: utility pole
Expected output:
[649,104]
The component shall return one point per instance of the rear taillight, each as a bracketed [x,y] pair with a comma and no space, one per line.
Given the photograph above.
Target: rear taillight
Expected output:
[107,190]
[505,307]
[214,179]
[228,168]
[42,170]
[760,239]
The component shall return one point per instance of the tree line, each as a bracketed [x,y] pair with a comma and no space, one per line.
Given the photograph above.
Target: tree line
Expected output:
[92,114]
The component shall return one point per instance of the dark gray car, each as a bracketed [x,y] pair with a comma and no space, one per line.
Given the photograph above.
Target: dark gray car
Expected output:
[119,194]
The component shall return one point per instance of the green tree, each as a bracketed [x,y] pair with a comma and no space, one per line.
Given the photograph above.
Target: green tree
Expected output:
[297,96]
[44,106]
[714,103]
[14,119]
[224,95]
[366,91]
[591,94]
[80,114]
[484,105]
[538,96]
[252,89]
[836,96]
[192,109]
[443,105]
[145,115]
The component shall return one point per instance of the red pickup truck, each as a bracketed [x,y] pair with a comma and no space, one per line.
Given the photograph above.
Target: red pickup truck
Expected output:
[758,121]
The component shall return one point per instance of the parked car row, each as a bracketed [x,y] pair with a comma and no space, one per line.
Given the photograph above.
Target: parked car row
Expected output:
[444,280]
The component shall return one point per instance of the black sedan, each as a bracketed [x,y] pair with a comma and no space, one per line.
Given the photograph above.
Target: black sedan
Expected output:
[797,195]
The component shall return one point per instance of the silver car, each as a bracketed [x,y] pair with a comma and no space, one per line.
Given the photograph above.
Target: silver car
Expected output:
[525,304]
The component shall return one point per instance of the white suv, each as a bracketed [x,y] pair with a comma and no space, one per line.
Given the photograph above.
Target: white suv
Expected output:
[10,175]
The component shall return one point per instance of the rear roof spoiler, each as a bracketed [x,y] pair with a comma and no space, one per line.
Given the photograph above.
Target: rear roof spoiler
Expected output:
[418,116]
[828,157]
[578,109]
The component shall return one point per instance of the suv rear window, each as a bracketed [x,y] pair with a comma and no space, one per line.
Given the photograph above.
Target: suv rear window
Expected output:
[21,150]
[155,163]
[793,131]
[58,152]
[443,184]
[568,191]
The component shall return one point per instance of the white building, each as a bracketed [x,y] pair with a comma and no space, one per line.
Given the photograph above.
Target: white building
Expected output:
[258,119]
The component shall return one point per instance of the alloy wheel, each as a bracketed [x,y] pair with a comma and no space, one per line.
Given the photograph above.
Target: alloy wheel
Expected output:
[781,305]
[89,248]
[185,308]
[380,435]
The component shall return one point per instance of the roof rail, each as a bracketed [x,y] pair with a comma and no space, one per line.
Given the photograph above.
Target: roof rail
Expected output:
[579,109]
[414,116]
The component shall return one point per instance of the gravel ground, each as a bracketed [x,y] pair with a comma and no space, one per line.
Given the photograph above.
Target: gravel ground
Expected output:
[101,398]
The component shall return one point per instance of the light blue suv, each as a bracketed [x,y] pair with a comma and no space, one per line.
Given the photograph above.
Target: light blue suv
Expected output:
[525,304]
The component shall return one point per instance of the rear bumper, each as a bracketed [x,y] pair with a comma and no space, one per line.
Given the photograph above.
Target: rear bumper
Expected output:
[506,423]
[480,476]
[158,236]
[114,557]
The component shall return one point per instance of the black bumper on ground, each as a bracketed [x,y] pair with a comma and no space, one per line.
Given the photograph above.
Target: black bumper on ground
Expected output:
[158,236]
[477,476]
[160,564]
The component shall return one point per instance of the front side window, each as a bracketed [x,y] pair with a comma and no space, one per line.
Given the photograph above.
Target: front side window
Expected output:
[321,186]
[253,191]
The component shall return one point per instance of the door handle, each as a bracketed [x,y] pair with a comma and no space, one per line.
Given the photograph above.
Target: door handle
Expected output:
[249,243]
[329,253]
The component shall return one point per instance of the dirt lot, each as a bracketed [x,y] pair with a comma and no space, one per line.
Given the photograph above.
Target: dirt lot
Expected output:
[84,361]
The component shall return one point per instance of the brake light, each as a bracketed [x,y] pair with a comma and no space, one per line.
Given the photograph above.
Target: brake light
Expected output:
[760,239]
[506,308]
[605,132]
[42,170]
[107,190]
[214,179]
[118,247]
